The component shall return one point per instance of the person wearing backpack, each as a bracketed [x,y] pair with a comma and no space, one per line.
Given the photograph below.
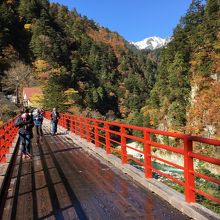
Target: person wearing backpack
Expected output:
[54,116]
[25,123]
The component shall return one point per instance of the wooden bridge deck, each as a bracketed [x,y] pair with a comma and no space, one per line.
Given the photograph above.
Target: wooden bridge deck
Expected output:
[62,181]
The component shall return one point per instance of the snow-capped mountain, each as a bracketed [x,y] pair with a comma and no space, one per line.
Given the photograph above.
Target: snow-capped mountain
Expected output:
[151,43]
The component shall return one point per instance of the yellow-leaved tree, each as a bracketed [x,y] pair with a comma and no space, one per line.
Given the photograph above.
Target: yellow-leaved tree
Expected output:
[43,70]
[36,100]
[71,95]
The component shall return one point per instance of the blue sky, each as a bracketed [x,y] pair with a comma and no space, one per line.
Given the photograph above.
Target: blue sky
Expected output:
[133,19]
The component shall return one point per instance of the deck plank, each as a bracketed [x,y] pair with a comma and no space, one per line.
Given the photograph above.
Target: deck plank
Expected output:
[44,203]
[65,202]
[25,207]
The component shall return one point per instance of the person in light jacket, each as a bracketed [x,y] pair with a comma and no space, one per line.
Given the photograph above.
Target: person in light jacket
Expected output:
[38,121]
[54,116]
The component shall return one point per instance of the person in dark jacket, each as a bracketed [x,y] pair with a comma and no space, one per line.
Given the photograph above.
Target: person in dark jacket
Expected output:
[54,116]
[25,123]
[38,121]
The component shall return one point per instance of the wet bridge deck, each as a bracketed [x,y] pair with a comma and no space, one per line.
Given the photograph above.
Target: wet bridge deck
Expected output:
[62,181]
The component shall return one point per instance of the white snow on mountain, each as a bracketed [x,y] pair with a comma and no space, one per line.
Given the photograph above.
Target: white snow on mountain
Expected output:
[151,43]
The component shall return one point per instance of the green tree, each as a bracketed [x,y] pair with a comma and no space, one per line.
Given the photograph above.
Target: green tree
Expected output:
[54,95]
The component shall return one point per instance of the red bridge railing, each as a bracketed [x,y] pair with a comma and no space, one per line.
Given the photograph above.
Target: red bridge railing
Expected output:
[107,135]
[8,133]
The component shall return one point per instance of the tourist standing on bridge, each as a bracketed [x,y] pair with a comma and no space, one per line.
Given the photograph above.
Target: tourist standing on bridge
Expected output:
[54,121]
[25,123]
[38,121]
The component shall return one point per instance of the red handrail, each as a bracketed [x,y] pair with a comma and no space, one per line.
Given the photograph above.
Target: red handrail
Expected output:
[8,133]
[106,134]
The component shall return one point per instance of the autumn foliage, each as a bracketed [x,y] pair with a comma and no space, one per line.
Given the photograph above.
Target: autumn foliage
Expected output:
[204,113]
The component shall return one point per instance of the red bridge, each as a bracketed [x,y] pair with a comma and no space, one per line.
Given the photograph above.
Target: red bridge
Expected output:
[87,172]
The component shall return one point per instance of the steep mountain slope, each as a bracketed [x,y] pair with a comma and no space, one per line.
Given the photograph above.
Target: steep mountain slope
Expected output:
[80,64]
[186,94]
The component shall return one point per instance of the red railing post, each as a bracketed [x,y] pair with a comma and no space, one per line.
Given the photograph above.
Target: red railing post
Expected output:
[11,133]
[66,121]
[7,144]
[96,133]
[63,120]
[60,120]
[147,155]
[87,130]
[76,125]
[71,123]
[81,127]
[2,147]
[107,138]
[188,166]
[123,145]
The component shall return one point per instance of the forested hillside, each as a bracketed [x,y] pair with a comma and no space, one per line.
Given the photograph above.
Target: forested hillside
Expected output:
[80,64]
[186,95]
[85,68]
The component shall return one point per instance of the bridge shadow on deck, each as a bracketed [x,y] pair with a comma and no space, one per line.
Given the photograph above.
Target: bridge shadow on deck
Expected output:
[62,181]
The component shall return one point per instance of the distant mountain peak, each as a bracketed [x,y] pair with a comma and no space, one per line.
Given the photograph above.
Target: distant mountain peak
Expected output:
[151,43]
